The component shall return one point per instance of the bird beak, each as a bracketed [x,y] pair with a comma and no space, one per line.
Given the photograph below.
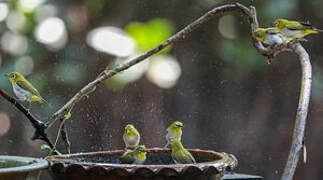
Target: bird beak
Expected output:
[128,131]
[181,125]
[6,75]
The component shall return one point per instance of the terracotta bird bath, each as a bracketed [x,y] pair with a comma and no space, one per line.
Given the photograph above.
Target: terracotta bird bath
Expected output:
[158,166]
[17,168]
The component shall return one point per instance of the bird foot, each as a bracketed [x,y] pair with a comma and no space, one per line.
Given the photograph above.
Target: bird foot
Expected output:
[269,59]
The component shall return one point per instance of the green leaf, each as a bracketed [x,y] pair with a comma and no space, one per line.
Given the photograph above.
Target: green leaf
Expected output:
[68,115]
[45,147]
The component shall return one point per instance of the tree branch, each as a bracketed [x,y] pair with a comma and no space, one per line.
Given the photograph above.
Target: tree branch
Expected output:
[301,114]
[249,13]
[271,51]
[39,126]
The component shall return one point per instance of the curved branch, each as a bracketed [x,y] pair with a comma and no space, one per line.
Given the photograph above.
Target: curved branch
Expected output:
[249,13]
[39,126]
[301,114]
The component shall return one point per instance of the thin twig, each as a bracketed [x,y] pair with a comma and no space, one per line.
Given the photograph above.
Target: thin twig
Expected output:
[65,139]
[37,124]
[62,132]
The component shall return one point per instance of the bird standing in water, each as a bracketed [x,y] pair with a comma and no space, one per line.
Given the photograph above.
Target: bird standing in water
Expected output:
[136,156]
[131,137]
[179,154]
[174,131]
[23,89]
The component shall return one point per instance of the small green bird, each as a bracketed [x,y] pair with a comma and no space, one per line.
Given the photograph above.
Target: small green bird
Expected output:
[293,29]
[131,137]
[269,36]
[179,154]
[136,156]
[23,89]
[174,131]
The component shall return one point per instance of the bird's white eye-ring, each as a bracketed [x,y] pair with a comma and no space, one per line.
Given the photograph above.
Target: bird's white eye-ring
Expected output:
[13,76]
[275,23]
[258,34]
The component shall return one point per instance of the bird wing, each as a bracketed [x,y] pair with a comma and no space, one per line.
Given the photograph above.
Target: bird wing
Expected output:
[188,154]
[273,31]
[127,157]
[298,26]
[27,86]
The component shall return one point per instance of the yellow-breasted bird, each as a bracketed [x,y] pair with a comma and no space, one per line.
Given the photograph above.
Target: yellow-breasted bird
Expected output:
[179,154]
[23,89]
[293,29]
[131,136]
[269,36]
[136,156]
[174,131]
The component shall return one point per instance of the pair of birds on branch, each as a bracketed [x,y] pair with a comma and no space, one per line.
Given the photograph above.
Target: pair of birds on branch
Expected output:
[284,30]
[136,154]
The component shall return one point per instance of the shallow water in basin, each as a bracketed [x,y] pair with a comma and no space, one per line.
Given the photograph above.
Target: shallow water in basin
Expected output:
[152,159]
[10,163]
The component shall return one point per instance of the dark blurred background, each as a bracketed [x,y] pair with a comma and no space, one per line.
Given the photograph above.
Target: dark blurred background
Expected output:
[227,96]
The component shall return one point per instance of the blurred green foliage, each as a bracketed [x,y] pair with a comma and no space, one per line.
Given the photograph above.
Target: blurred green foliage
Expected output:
[241,55]
[151,34]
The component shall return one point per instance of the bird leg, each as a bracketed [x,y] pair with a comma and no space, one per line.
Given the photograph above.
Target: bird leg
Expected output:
[269,59]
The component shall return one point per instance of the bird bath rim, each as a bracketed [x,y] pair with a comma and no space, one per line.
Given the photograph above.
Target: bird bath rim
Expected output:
[220,163]
[25,164]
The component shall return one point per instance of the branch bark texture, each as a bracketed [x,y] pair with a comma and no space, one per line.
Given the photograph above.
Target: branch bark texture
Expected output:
[301,114]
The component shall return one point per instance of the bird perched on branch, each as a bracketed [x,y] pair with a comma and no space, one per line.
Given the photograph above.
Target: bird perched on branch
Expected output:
[269,36]
[174,131]
[23,89]
[292,30]
[179,154]
[131,137]
[136,156]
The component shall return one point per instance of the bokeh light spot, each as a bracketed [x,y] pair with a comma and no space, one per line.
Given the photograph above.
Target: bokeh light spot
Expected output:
[52,32]
[4,10]
[14,43]
[111,40]
[16,21]
[133,73]
[164,71]
[4,123]
[227,26]
[24,65]
[29,5]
